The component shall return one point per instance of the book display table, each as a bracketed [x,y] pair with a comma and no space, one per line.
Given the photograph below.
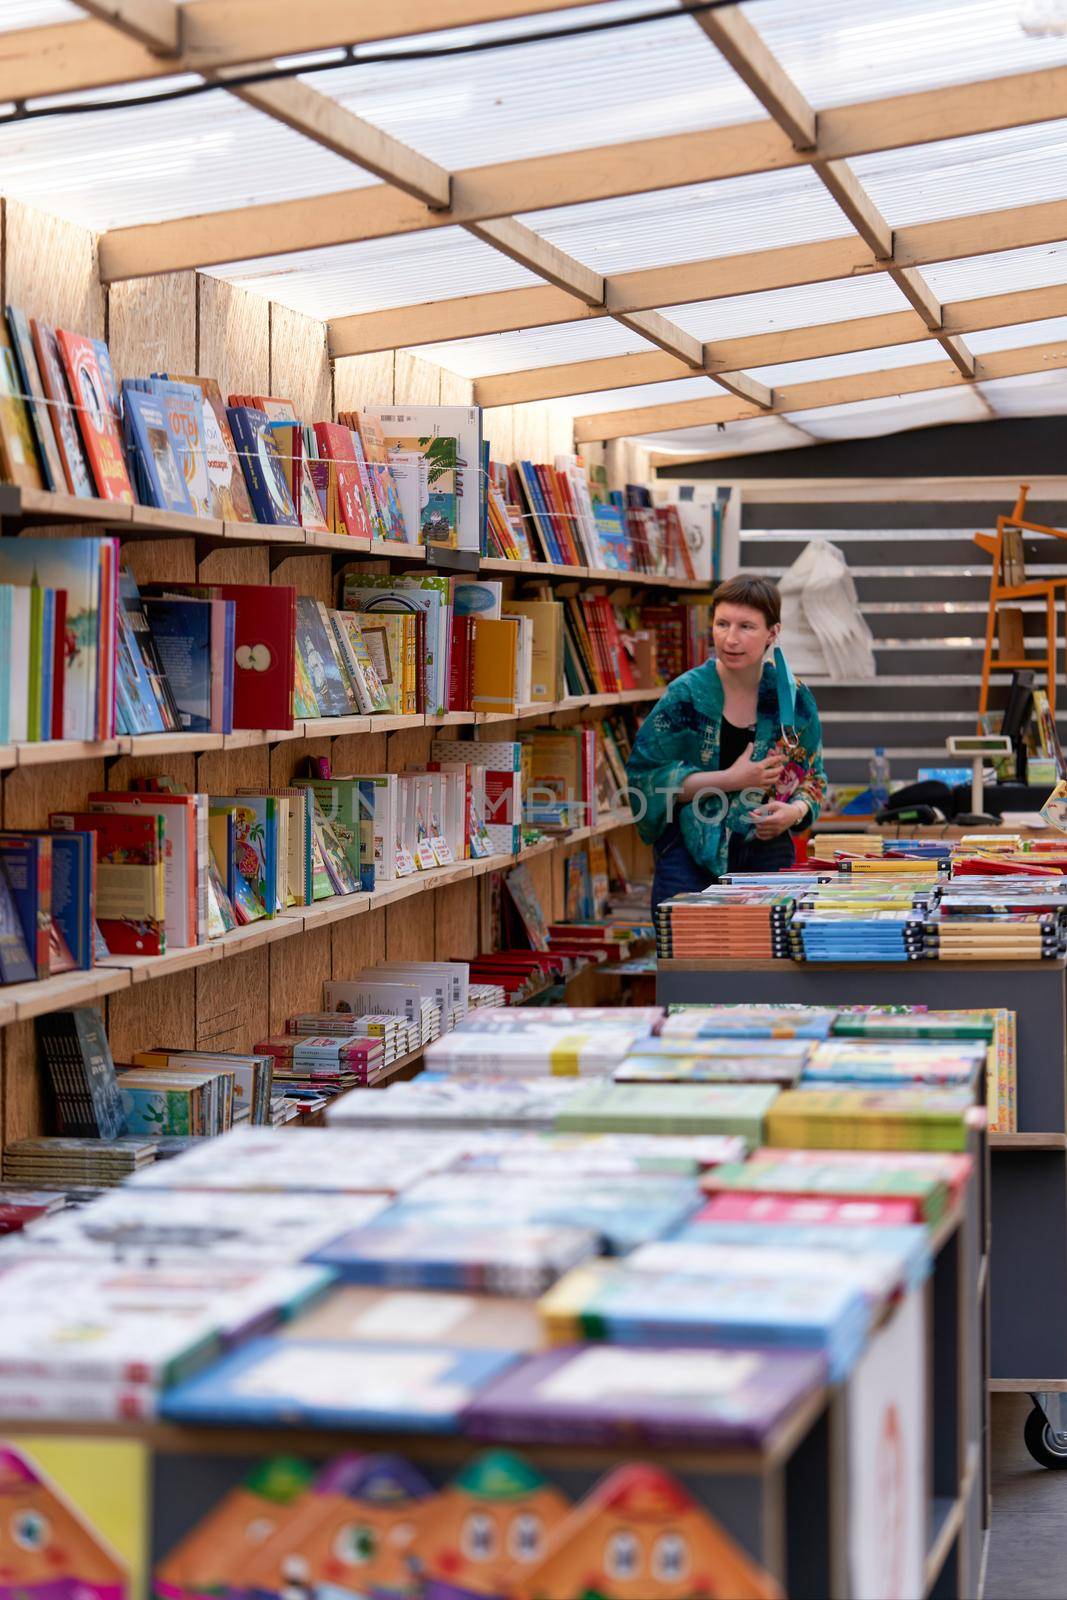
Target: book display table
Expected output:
[1028,1186]
[795,1502]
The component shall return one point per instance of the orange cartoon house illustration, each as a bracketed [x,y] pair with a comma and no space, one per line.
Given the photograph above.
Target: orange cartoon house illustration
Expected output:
[47,1550]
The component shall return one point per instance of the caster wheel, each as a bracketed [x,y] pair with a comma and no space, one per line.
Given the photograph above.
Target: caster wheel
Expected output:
[1042,1443]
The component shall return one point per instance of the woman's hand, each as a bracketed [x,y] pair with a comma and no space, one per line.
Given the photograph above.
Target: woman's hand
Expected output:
[748,774]
[777,817]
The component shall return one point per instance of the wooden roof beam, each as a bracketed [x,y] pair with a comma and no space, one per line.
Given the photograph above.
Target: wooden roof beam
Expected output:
[155,24]
[569,178]
[823,392]
[65,58]
[653,288]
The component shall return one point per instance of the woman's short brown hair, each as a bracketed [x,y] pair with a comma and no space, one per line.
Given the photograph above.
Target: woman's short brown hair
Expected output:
[748,590]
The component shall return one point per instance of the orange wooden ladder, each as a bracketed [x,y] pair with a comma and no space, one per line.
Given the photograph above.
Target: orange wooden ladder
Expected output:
[1001,593]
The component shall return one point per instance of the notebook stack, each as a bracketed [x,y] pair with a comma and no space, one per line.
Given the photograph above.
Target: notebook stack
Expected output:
[305,1161]
[47,1163]
[923,1182]
[918,1118]
[396,1036]
[679,1108]
[855,935]
[955,932]
[324,1063]
[617,1303]
[673,1059]
[87,1340]
[732,922]
[436,1100]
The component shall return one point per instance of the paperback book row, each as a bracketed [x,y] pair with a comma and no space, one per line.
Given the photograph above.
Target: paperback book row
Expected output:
[553,513]
[907,911]
[150,869]
[94,654]
[415,474]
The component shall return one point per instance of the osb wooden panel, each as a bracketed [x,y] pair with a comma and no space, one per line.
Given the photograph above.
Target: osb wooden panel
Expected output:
[308,575]
[161,1012]
[417,383]
[151,325]
[409,929]
[360,752]
[357,942]
[299,364]
[530,440]
[30,793]
[234,338]
[298,968]
[247,565]
[291,757]
[498,426]
[232,1002]
[161,560]
[50,270]
[360,381]
[456,921]
[456,391]
[182,769]
[561,434]
[224,771]
[23,1107]
[410,747]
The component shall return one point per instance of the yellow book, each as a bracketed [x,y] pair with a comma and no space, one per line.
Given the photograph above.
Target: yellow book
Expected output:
[547,619]
[495,648]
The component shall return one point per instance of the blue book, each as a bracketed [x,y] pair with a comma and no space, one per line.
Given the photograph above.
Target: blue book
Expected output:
[181,630]
[48,657]
[319,1383]
[73,860]
[141,690]
[367,792]
[910,1245]
[16,965]
[159,475]
[7,624]
[257,451]
[545,526]
[27,867]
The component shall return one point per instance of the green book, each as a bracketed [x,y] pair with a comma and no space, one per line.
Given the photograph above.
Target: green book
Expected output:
[668,1108]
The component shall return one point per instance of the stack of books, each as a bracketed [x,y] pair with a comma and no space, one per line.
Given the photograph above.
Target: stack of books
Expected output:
[673,1059]
[748,1022]
[926,1183]
[857,935]
[728,922]
[957,1063]
[437,1100]
[898,1118]
[681,1108]
[61,1163]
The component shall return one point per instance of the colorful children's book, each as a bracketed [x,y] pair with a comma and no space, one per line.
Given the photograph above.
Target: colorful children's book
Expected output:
[96,418]
[18,449]
[218,1553]
[255,849]
[130,880]
[38,409]
[517,1512]
[68,437]
[87,569]
[315,643]
[16,963]
[229,492]
[337,1385]
[74,1050]
[258,453]
[54,1548]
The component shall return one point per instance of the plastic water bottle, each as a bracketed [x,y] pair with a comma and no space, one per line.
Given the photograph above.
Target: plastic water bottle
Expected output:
[879,772]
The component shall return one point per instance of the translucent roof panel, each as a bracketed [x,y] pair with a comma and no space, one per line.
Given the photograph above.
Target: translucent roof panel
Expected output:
[378,274]
[869,419]
[955,177]
[738,315]
[697,221]
[547,96]
[535,347]
[840,50]
[116,168]
[37,14]
[850,362]
[1034,267]
[641,394]
[733,439]
[1038,394]
[1013,338]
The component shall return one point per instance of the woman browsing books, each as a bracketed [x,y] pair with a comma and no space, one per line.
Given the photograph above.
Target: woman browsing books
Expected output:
[729,762]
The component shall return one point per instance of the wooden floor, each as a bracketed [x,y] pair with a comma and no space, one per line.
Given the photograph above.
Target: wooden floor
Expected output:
[1027,1557]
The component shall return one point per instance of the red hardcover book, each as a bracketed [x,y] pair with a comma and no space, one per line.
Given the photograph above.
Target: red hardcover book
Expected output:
[459,670]
[103,447]
[335,445]
[264,639]
[59,661]
[129,878]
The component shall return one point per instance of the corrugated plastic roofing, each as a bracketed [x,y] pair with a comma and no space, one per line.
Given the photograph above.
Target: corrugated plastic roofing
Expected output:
[545,98]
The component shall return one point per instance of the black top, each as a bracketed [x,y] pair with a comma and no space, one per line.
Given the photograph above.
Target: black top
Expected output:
[733,742]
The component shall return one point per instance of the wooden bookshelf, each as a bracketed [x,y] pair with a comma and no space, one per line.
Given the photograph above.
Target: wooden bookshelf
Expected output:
[28,509]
